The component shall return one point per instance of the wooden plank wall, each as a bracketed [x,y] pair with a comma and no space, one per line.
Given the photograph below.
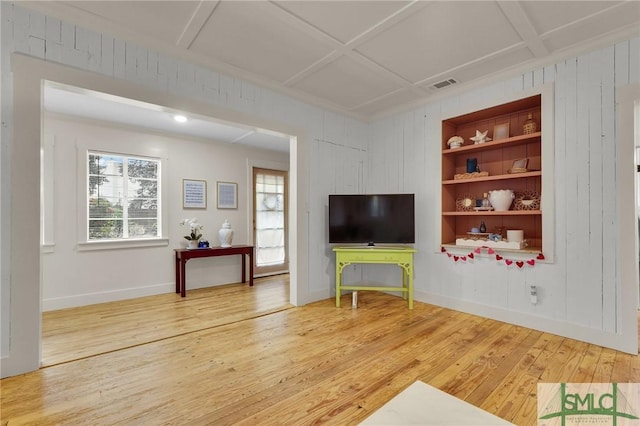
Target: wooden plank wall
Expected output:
[337,144]
[581,286]
[401,154]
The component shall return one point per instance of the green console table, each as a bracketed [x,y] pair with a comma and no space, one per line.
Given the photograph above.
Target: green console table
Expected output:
[397,255]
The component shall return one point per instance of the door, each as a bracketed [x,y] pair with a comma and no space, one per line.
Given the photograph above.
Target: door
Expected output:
[270,221]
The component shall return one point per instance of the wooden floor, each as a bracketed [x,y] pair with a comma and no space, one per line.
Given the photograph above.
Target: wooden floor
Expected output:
[315,364]
[71,334]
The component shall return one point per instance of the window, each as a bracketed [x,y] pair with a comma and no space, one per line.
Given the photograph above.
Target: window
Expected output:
[123,199]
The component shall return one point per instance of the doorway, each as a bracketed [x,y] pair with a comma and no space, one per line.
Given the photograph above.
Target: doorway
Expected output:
[23,325]
[270,215]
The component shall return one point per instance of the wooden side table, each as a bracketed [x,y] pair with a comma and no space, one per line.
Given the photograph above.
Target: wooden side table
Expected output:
[183,255]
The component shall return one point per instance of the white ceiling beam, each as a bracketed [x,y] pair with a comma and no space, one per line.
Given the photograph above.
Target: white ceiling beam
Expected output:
[386,23]
[379,98]
[591,19]
[486,58]
[349,48]
[519,20]
[313,68]
[200,17]
[243,136]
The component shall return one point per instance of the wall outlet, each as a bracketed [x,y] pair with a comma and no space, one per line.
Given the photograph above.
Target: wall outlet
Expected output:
[533,294]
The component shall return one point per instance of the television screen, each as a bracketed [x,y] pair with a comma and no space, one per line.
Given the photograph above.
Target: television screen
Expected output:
[372,219]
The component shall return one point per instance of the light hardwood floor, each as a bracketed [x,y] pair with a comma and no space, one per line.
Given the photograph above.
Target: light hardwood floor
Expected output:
[315,364]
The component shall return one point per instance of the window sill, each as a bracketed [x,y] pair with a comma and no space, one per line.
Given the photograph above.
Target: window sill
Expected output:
[122,244]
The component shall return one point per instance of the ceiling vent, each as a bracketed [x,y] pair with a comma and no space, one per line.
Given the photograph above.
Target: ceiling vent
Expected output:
[444,83]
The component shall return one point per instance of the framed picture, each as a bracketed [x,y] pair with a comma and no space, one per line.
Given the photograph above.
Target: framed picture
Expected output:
[194,194]
[520,163]
[227,195]
[501,131]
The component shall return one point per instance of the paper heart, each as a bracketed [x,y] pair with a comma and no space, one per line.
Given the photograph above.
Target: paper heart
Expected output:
[470,255]
[540,256]
[520,263]
[490,251]
[449,254]
[442,249]
[498,257]
[455,258]
[463,258]
[508,262]
[477,250]
[531,262]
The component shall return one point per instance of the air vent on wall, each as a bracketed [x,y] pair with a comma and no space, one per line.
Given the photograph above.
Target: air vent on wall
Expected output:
[444,83]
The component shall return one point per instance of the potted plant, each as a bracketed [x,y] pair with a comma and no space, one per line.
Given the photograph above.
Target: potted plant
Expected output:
[195,232]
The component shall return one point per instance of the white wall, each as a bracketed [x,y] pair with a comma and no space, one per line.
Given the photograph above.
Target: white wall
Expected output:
[72,277]
[579,294]
[330,147]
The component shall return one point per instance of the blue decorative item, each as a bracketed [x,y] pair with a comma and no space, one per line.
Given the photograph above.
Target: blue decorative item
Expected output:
[203,244]
[472,165]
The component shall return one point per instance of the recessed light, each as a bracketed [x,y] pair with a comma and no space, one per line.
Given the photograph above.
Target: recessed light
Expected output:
[180,118]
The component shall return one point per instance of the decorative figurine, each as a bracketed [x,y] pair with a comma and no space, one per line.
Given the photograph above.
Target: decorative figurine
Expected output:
[480,137]
[529,125]
[472,165]
[455,142]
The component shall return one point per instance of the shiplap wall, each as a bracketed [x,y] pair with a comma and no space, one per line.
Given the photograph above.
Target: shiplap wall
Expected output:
[337,144]
[397,154]
[581,286]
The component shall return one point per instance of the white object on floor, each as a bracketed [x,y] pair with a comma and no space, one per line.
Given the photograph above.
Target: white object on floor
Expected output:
[421,404]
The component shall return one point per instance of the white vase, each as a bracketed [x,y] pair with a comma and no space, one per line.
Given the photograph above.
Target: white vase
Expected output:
[226,234]
[501,199]
[192,244]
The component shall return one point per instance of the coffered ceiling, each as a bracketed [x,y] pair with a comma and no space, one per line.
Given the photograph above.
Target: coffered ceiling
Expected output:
[362,58]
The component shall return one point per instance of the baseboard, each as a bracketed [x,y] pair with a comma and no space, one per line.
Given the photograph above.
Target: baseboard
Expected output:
[316,296]
[561,328]
[73,301]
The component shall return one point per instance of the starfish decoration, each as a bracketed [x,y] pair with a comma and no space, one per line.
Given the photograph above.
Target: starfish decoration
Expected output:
[480,137]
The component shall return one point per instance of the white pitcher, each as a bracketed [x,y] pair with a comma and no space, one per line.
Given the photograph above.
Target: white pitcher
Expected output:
[501,199]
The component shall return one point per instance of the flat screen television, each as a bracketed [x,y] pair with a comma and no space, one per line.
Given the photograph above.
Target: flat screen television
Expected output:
[372,218]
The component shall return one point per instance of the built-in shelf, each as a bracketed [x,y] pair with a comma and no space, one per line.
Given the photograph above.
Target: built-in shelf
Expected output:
[495,213]
[497,159]
[527,250]
[523,175]
[499,143]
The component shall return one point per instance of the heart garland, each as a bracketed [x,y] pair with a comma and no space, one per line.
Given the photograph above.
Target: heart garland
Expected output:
[519,263]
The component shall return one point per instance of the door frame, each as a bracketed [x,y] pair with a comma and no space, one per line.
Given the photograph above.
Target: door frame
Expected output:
[260,271]
[21,259]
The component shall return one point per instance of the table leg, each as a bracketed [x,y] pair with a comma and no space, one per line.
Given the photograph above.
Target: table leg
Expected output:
[338,283]
[244,266]
[250,267]
[404,283]
[183,278]
[177,273]
[411,287]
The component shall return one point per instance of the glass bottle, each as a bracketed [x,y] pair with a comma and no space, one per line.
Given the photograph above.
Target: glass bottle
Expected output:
[485,201]
[529,125]
[483,227]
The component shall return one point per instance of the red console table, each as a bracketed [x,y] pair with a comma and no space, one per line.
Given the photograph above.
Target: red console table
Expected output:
[182,255]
